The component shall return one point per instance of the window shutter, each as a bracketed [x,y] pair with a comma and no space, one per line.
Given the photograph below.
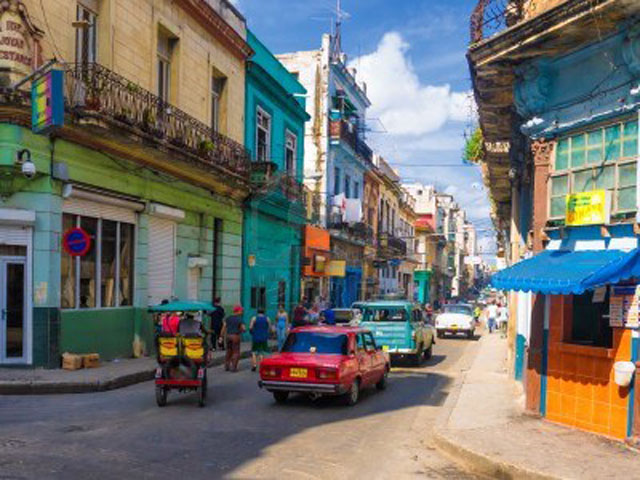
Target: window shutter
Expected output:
[162,254]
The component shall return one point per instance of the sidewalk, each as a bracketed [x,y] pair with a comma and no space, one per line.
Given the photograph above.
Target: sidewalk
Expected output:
[109,376]
[484,427]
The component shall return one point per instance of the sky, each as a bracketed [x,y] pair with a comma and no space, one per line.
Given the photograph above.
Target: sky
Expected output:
[411,54]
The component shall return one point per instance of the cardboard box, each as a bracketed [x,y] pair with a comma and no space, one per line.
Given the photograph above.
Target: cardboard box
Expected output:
[71,361]
[91,360]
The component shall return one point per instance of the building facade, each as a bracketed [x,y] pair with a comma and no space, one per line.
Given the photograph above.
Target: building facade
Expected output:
[274,214]
[573,142]
[138,197]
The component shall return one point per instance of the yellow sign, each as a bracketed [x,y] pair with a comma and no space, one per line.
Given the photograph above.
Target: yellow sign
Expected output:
[588,208]
[336,268]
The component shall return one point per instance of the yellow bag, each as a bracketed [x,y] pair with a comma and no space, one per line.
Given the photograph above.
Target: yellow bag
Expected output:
[193,347]
[168,346]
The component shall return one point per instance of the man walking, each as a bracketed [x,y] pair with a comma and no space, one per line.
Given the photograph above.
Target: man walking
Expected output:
[492,315]
[299,314]
[232,329]
[217,319]
[259,328]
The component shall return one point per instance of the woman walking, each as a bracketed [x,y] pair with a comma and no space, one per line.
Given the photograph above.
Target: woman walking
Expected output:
[259,329]
[282,326]
[231,332]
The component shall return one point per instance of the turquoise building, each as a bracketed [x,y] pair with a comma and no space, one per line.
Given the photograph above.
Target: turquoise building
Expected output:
[274,214]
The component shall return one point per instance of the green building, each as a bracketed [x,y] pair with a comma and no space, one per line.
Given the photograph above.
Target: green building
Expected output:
[159,195]
[274,214]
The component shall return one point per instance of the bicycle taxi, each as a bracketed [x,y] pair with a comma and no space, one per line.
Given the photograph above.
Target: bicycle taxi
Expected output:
[181,348]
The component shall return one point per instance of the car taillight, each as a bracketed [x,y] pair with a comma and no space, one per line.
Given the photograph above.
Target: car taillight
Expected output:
[326,374]
[270,372]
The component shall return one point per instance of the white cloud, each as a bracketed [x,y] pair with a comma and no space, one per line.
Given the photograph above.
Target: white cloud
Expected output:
[403,103]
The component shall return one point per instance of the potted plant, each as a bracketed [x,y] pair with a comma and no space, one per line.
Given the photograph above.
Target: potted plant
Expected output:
[206,146]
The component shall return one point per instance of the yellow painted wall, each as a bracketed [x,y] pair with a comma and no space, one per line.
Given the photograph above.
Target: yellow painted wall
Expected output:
[126,43]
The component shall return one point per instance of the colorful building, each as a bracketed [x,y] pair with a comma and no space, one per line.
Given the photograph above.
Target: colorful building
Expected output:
[561,166]
[139,196]
[274,214]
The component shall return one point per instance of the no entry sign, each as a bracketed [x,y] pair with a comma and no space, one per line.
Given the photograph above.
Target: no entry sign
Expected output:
[76,242]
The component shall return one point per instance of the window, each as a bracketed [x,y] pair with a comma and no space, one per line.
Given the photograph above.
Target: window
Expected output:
[263,135]
[217,87]
[369,342]
[282,292]
[85,35]
[102,278]
[356,189]
[258,297]
[290,149]
[336,181]
[590,325]
[165,50]
[605,158]
[347,186]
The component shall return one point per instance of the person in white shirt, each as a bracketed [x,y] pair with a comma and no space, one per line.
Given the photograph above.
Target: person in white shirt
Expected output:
[503,318]
[492,315]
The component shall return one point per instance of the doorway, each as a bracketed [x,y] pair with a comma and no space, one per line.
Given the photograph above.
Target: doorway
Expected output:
[13,309]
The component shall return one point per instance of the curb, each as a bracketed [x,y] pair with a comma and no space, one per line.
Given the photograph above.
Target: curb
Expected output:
[48,388]
[468,458]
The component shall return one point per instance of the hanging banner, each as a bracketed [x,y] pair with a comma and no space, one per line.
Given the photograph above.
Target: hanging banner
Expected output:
[588,208]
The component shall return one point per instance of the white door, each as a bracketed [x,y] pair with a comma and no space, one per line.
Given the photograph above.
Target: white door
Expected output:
[13,309]
[162,259]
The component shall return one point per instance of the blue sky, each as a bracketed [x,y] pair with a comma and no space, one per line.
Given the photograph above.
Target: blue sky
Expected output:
[411,53]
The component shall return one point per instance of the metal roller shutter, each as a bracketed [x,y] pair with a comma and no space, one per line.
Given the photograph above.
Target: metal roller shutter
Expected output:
[162,254]
[81,206]
[15,235]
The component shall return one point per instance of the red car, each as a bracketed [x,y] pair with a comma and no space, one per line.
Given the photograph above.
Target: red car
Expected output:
[325,360]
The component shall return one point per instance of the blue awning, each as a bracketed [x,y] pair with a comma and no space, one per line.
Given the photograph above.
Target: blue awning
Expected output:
[558,272]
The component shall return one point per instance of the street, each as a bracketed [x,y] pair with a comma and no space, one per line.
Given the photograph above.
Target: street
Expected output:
[241,433]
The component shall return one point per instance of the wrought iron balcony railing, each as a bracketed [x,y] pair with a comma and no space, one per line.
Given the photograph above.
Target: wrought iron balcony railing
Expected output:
[492,16]
[92,89]
[359,230]
[343,131]
[364,150]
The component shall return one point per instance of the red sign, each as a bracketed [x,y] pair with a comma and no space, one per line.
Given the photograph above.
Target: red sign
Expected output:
[76,242]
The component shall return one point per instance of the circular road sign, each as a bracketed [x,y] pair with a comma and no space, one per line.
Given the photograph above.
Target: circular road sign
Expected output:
[76,242]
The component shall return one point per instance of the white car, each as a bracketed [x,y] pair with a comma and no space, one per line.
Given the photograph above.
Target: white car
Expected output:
[456,318]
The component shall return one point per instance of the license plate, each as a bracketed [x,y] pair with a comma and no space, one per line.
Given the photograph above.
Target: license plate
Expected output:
[453,327]
[385,348]
[298,373]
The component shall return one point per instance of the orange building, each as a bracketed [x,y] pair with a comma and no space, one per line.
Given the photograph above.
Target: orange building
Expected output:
[317,255]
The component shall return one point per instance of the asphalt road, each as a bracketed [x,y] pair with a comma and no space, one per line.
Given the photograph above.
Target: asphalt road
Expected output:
[241,433]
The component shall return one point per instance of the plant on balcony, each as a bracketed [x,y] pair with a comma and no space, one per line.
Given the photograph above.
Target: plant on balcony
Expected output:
[206,147]
[124,116]
[93,101]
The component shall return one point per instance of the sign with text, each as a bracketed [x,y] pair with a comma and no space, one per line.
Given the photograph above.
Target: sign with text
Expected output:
[20,48]
[623,306]
[588,208]
[336,268]
[47,102]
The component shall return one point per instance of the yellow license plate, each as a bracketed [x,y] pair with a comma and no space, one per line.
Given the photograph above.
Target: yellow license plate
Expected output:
[453,327]
[385,348]
[298,373]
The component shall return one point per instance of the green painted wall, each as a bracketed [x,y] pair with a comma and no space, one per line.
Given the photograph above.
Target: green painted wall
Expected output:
[110,332]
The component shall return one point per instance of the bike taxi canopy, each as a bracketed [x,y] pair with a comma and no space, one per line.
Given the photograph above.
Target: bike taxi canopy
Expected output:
[183,306]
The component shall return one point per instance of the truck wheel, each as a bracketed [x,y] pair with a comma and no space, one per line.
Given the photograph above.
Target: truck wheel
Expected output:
[353,395]
[416,358]
[440,334]
[161,396]
[382,383]
[281,397]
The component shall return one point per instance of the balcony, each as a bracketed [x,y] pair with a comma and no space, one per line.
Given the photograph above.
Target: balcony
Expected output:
[95,92]
[343,131]
[492,16]
[364,150]
[359,231]
[391,246]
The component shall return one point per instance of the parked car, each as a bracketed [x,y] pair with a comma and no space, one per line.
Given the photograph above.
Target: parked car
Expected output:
[400,327]
[344,316]
[323,360]
[456,318]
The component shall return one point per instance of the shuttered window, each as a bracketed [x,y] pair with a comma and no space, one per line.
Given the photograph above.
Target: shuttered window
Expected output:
[162,254]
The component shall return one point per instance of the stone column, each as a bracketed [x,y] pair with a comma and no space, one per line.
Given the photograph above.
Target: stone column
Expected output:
[542,151]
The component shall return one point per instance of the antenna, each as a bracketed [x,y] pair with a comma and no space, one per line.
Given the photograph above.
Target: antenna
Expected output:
[337,38]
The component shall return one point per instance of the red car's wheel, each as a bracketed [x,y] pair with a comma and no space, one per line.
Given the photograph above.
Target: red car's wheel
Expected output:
[281,397]
[382,383]
[353,395]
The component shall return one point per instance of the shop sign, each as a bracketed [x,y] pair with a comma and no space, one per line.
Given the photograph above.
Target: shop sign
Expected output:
[47,102]
[19,41]
[588,208]
[76,242]
[623,306]
[337,268]
[319,263]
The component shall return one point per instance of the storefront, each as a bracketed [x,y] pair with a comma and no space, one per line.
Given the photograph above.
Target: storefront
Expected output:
[317,255]
[584,289]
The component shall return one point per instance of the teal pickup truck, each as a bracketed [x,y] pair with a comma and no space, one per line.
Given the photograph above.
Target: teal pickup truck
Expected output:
[400,328]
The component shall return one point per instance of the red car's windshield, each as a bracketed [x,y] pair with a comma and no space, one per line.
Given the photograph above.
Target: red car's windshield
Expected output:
[315,342]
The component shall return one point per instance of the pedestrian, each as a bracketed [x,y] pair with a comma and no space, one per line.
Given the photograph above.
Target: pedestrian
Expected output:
[492,315]
[259,329]
[299,314]
[217,318]
[503,319]
[313,315]
[476,313]
[282,326]
[428,310]
[232,329]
